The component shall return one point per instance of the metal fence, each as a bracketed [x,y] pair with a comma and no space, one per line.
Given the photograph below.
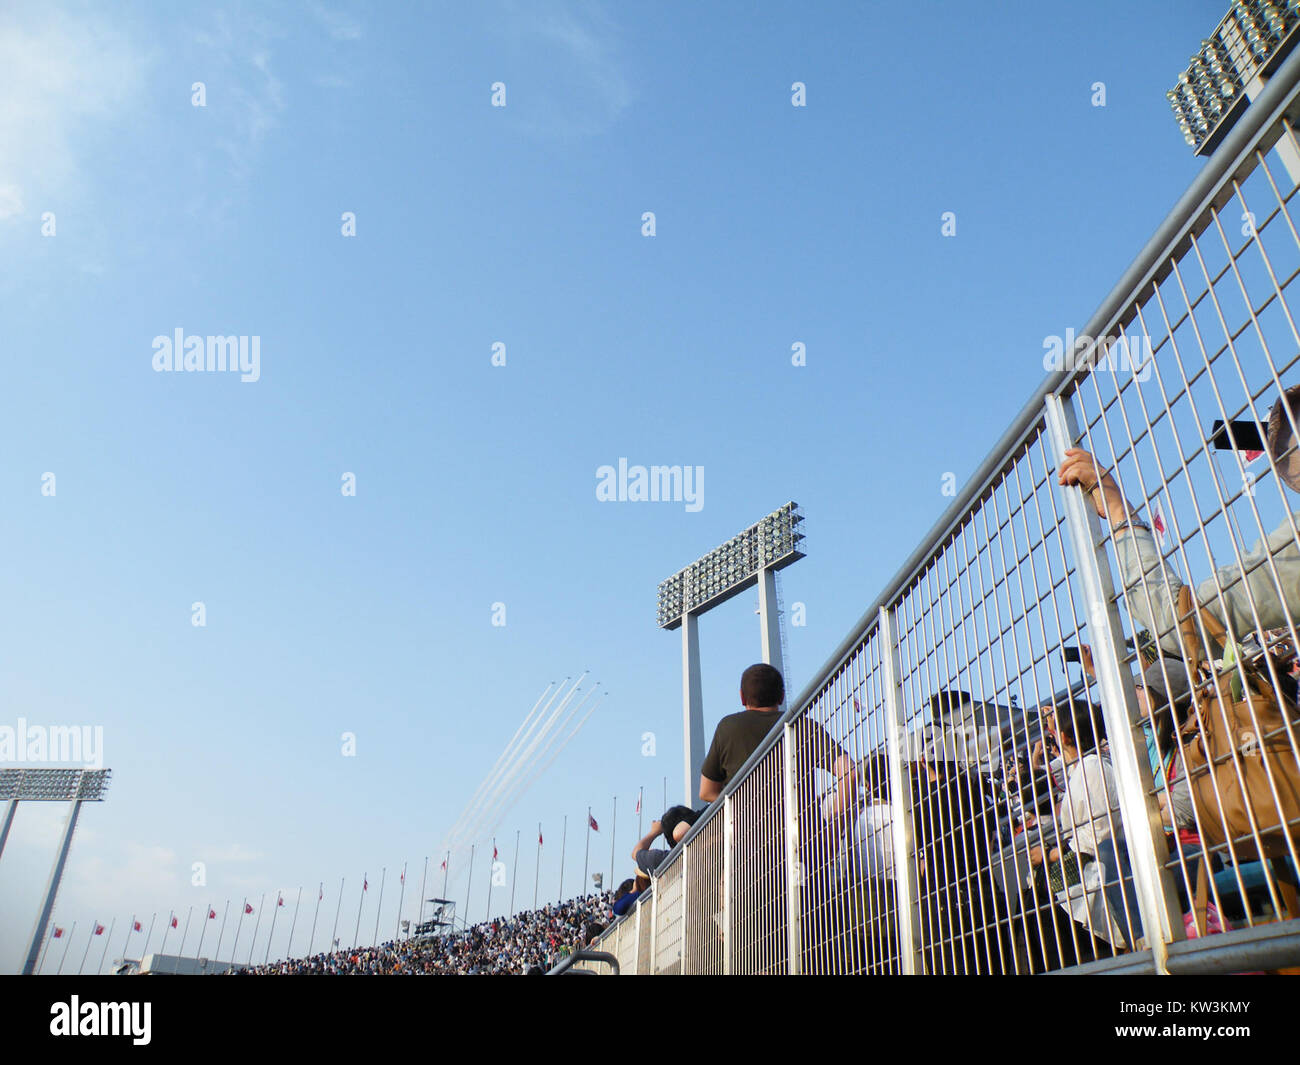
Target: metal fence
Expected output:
[1037,752]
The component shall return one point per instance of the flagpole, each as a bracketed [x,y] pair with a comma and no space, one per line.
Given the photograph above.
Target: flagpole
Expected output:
[586,858]
[446,866]
[222,934]
[334,939]
[665,806]
[206,910]
[640,801]
[104,954]
[256,925]
[320,894]
[89,939]
[271,935]
[356,932]
[492,875]
[129,929]
[144,951]
[382,872]
[45,954]
[564,839]
[288,950]
[167,928]
[186,933]
[401,897]
[537,869]
[66,945]
[469,880]
[234,947]
[424,879]
[613,826]
[514,874]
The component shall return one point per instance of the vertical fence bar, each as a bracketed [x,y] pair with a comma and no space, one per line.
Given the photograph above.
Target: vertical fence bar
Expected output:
[686,925]
[900,791]
[1139,814]
[790,807]
[652,968]
[728,877]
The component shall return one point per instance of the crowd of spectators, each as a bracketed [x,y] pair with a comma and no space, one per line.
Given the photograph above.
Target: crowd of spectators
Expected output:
[527,943]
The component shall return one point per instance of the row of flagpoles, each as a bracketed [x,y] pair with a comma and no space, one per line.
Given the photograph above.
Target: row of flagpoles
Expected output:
[248,909]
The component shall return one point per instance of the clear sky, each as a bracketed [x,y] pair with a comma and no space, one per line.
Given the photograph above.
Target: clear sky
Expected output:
[475,484]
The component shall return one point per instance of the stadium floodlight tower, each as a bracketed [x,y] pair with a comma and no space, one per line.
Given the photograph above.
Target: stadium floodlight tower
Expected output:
[752,557]
[1232,67]
[49,785]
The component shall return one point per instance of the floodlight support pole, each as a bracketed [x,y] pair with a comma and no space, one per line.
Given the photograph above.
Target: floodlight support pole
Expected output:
[11,807]
[769,620]
[692,706]
[56,875]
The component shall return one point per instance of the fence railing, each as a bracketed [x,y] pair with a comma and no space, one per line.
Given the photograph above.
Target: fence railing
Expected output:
[951,794]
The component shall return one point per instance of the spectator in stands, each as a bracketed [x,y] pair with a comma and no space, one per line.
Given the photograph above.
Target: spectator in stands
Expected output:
[526,942]
[1152,586]
[762,691]
[1096,879]
[955,834]
[673,826]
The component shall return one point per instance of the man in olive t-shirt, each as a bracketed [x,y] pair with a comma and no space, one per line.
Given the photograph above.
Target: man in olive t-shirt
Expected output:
[762,690]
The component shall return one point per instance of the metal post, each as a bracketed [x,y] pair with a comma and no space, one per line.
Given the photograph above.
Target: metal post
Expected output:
[793,877]
[653,960]
[1139,811]
[900,799]
[769,620]
[11,807]
[686,910]
[586,854]
[636,965]
[728,876]
[692,707]
[52,889]
[379,906]
[613,824]
[514,874]
[564,839]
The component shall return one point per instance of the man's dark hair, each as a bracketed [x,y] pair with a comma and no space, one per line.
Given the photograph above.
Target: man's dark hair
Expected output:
[674,816]
[762,685]
[1082,723]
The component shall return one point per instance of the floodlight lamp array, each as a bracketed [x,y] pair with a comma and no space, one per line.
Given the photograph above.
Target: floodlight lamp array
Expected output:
[1213,84]
[771,543]
[53,785]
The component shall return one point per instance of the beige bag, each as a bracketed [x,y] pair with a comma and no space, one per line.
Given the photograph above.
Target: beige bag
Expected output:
[1240,763]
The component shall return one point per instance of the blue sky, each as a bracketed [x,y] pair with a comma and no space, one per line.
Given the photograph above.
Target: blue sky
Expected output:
[522,225]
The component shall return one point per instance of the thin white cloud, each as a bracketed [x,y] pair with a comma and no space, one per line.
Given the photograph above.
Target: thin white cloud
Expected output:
[64,82]
[578,84]
[338,24]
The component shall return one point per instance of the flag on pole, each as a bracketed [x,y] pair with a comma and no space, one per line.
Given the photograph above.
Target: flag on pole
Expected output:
[1158,522]
[212,915]
[444,865]
[174,924]
[136,927]
[58,932]
[539,837]
[403,876]
[99,929]
[638,803]
[365,884]
[594,827]
[322,893]
[248,908]
[494,852]
[280,901]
